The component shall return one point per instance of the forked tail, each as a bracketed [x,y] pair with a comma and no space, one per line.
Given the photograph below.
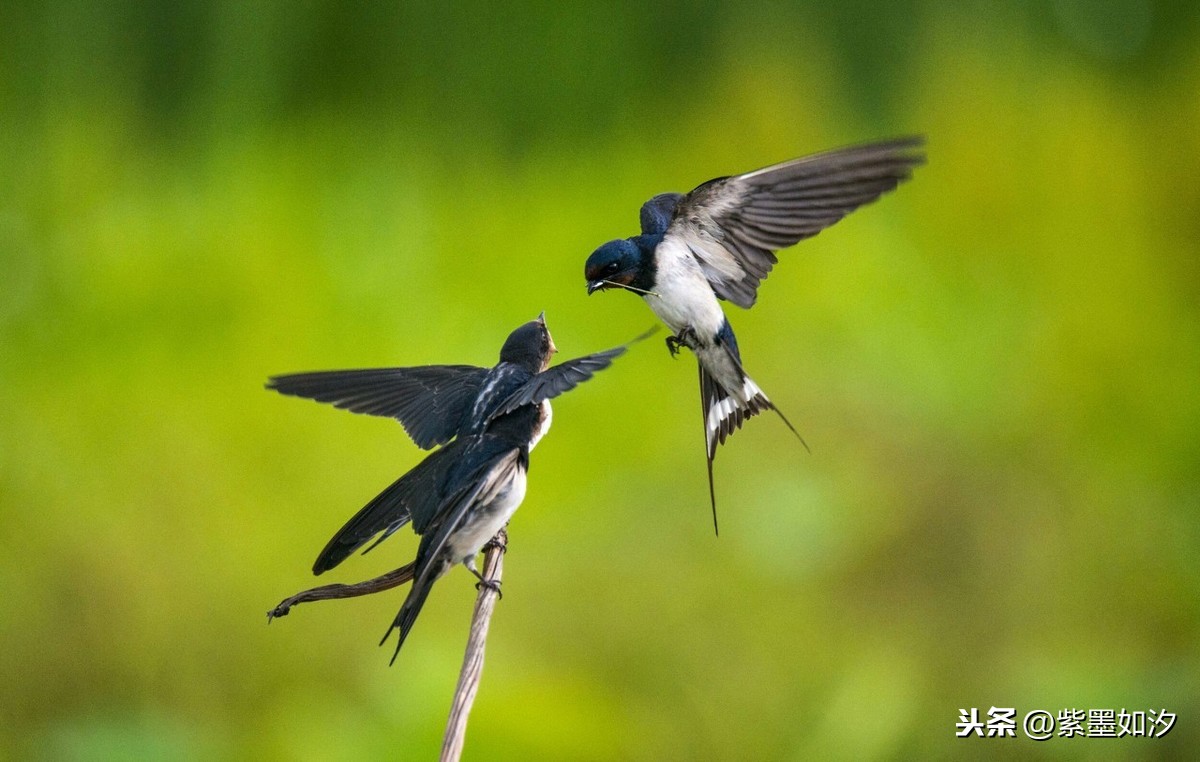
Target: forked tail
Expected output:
[407,616]
[725,411]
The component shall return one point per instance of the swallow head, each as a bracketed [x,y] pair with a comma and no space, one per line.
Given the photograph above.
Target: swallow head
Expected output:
[616,264]
[530,345]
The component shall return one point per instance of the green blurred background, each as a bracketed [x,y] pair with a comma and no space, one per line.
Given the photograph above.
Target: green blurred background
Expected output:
[996,368]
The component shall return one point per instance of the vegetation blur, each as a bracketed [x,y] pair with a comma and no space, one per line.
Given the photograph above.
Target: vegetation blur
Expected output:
[996,367]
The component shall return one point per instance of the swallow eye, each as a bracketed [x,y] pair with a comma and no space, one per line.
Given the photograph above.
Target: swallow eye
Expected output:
[611,268]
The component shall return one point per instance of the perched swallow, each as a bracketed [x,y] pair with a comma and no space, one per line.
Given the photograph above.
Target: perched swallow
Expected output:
[461,495]
[719,242]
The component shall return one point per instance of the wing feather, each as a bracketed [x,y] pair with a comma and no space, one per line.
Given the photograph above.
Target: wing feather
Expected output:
[413,497]
[563,377]
[429,401]
[734,225]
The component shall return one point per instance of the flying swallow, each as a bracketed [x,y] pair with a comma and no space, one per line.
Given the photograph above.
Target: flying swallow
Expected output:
[719,242]
[462,494]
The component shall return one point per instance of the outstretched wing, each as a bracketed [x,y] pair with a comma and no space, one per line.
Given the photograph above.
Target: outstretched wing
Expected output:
[416,495]
[734,225]
[563,377]
[429,401]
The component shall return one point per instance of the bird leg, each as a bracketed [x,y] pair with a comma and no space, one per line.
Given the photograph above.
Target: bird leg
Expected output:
[684,339]
[490,584]
[499,542]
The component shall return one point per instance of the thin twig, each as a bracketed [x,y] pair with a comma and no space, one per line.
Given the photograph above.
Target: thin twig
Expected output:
[472,668]
[329,592]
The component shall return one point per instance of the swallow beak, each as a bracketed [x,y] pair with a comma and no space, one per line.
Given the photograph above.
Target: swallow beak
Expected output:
[594,286]
[541,318]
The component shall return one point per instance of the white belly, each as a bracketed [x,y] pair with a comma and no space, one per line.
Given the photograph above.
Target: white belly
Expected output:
[484,524]
[684,297]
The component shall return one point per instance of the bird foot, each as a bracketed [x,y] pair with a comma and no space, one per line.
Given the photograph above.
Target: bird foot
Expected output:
[490,584]
[684,339]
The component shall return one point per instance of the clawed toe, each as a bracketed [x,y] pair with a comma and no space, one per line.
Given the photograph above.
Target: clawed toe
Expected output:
[673,345]
[491,584]
[684,339]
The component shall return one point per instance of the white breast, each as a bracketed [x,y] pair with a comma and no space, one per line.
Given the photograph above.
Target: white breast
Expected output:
[684,297]
[543,424]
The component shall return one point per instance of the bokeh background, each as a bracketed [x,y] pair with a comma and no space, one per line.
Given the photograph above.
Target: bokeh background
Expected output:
[996,368]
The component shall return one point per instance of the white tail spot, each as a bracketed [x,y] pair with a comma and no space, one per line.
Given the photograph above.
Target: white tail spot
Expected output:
[750,390]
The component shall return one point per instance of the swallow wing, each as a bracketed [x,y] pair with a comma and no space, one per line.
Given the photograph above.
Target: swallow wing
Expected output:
[429,401]
[734,225]
[563,377]
[413,497]
[483,475]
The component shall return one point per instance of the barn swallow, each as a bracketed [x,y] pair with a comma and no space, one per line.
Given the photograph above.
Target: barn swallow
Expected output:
[719,242]
[462,494]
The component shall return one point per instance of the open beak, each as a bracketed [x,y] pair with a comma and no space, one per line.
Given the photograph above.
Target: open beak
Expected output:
[596,285]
